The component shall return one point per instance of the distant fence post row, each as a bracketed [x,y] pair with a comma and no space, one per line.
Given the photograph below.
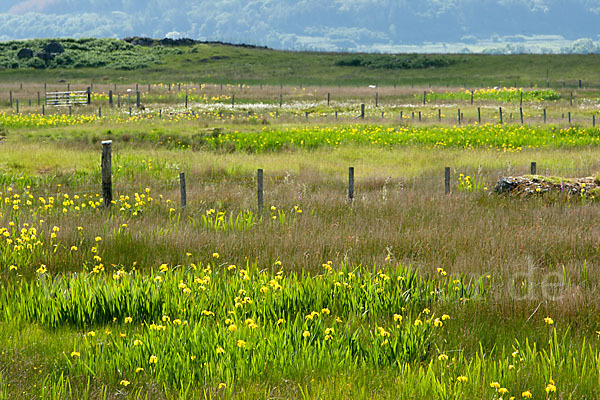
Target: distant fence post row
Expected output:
[70,99]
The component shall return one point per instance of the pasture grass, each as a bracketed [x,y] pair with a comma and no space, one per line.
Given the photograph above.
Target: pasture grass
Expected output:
[405,292]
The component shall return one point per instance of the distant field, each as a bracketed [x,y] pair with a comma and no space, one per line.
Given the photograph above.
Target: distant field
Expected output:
[228,64]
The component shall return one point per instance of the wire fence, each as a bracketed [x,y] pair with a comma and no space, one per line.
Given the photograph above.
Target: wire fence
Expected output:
[261,188]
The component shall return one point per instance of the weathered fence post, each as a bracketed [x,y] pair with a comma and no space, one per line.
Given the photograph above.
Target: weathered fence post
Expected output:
[471,97]
[17,106]
[99,112]
[479,115]
[362,111]
[439,115]
[280,100]
[259,189]
[571,99]
[424,97]
[186,100]
[106,172]
[521,103]
[182,189]
[328,98]
[419,116]
[350,184]
[110,98]
[521,113]
[459,115]
[533,168]
[544,115]
[43,109]
[447,180]
[377,99]
[232,100]
[138,102]
[569,117]
[89,95]
[10,99]
[500,114]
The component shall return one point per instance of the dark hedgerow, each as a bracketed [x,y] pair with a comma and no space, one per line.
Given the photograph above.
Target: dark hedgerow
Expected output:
[396,61]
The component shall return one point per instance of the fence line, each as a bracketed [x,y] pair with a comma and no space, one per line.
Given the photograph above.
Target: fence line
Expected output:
[107,191]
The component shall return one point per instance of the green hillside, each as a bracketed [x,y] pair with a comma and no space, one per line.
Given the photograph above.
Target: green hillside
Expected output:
[115,60]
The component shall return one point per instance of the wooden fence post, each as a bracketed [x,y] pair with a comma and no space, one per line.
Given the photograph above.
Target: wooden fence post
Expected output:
[569,117]
[138,102]
[447,180]
[259,189]
[11,99]
[43,109]
[424,97]
[350,184]
[500,114]
[362,111]
[544,115]
[459,116]
[232,100]
[571,99]
[328,98]
[182,189]
[39,99]
[89,95]
[186,100]
[594,121]
[110,98]
[439,115]
[106,172]
[479,115]
[521,113]
[17,106]
[533,168]
[377,99]
[471,97]
[521,103]
[99,112]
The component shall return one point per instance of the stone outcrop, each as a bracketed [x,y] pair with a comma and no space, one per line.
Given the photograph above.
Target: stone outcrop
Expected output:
[538,184]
